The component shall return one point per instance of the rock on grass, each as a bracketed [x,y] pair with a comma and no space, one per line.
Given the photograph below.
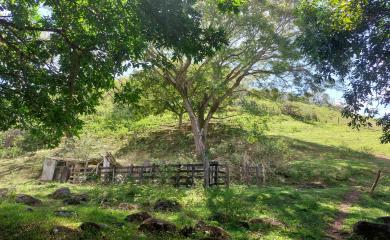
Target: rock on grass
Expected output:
[64,233]
[127,206]
[372,231]
[76,199]
[212,231]
[61,193]
[91,227]
[385,220]
[187,231]
[153,225]
[138,217]
[28,200]
[165,205]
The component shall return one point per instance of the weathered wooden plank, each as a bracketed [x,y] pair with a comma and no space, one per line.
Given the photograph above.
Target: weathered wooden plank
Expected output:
[49,166]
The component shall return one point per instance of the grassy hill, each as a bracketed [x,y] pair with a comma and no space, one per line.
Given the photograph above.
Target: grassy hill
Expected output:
[305,142]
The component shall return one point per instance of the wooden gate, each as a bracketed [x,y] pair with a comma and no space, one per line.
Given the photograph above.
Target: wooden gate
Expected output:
[218,174]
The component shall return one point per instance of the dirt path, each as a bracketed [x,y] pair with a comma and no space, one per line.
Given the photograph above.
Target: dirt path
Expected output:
[334,231]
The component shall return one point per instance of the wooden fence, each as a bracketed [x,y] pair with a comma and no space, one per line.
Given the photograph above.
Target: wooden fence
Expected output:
[185,174]
[178,174]
[108,170]
[252,174]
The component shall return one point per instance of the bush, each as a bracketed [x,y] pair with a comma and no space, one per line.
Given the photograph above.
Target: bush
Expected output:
[261,108]
[293,111]
[252,146]
[296,112]
[271,153]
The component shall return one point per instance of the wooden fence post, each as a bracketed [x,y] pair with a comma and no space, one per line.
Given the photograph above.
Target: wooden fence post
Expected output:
[216,169]
[97,169]
[206,170]
[193,175]
[247,173]
[141,174]
[131,170]
[378,175]
[264,173]
[258,174]
[153,171]
[227,180]
[177,181]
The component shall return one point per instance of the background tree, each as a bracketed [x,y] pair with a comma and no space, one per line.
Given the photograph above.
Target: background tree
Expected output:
[349,41]
[260,44]
[58,57]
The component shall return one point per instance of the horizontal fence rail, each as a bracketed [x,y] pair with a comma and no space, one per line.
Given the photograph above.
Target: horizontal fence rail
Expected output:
[108,170]
[178,174]
[184,174]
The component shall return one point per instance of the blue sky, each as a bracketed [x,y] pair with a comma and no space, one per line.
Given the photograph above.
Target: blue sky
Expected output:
[337,98]
[335,95]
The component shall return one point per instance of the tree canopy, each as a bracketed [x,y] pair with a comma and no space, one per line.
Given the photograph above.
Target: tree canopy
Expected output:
[58,57]
[143,94]
[349,41]
[260,44]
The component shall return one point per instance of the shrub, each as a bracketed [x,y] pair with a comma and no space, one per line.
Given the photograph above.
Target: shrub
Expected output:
[254,147]
[296,112]
[293,111]
[271,153]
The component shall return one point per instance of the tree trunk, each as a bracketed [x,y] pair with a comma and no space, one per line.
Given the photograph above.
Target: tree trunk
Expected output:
[180,124]
[200,147]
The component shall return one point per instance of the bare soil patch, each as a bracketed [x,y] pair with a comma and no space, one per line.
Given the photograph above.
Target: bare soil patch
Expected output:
[335,230]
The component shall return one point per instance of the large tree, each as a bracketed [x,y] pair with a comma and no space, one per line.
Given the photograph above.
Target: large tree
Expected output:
[349,41]
[260,45]
[58,57]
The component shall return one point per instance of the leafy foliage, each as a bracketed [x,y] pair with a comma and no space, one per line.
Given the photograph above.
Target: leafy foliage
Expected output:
[143,94]
[349,40]
[177,25]
[230,5]
[57,58]
[260,44]
[54,65]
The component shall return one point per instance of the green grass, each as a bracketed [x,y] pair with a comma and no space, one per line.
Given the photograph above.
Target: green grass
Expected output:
[305,213]
[325,151]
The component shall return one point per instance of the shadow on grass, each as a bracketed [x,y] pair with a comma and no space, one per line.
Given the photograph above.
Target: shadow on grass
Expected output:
[305,214]
[307,162]
[329,164]
[18,223]
[172,141]
[12,166]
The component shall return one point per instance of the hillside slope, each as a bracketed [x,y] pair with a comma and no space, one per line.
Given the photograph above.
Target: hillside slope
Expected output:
[319,160]
[292,132]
